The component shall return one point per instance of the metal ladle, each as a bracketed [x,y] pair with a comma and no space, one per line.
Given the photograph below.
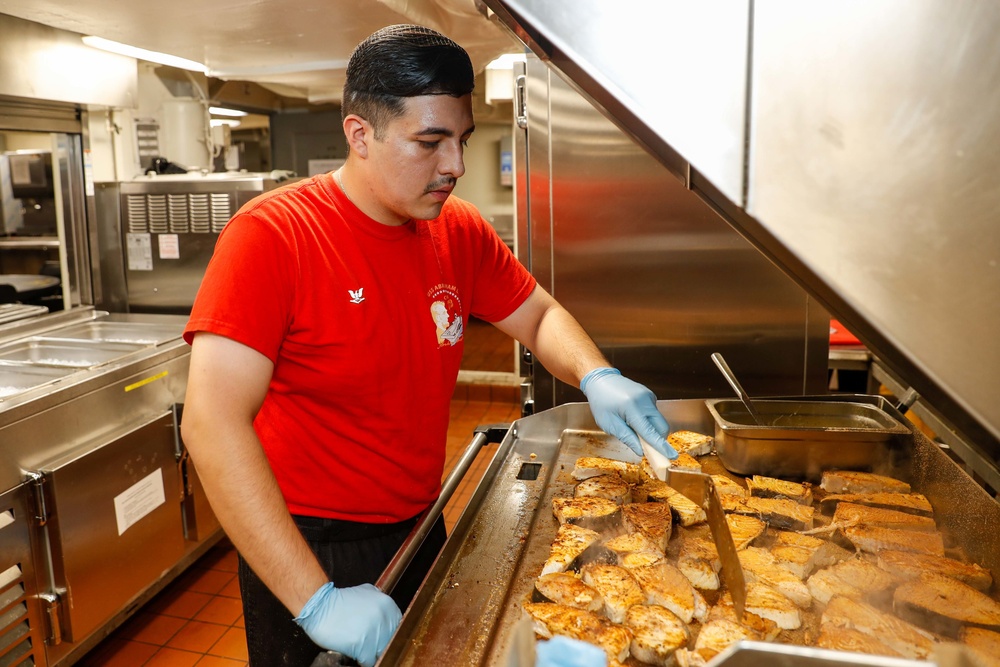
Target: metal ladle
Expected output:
[735,384]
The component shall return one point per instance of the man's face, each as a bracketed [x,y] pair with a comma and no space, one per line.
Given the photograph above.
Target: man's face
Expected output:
[414,166]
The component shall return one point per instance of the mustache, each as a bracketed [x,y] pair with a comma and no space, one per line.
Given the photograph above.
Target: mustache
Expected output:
[447,181]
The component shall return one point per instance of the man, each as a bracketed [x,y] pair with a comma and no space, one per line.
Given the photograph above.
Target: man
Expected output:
[320,379]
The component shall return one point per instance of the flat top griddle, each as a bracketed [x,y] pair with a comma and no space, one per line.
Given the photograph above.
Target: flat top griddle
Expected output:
[468,608]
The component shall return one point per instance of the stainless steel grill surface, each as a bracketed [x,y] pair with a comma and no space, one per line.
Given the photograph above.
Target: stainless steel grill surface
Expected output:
[467,609]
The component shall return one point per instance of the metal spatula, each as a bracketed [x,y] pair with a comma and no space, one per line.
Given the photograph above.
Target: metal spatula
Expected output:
[700,488]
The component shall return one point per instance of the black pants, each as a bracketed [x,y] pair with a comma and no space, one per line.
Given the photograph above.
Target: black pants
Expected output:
[352,554]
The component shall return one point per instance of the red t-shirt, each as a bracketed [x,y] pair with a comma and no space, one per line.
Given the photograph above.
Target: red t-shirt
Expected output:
[363,322]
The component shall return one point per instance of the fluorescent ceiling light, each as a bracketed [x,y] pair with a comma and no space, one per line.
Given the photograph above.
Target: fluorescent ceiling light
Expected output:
[506,61]
[143,54]
[222,111]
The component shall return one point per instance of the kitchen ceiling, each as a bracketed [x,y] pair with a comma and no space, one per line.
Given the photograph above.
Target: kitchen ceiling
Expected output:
[296,49]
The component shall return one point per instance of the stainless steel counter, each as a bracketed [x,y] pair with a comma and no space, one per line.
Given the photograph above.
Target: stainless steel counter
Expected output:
[89,442]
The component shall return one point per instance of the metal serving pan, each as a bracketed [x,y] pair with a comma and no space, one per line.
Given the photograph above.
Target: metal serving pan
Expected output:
[11,312]
[139,333]
[64,353]
[800,437]
[19,379]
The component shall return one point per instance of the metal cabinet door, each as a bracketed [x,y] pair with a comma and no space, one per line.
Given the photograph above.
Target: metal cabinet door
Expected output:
[21,627]
[114,525]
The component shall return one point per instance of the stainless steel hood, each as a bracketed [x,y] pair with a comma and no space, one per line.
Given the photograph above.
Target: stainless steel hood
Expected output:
[852,143]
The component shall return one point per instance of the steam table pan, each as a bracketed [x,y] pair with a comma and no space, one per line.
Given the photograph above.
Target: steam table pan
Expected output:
[139,333]
[15,380]
[800,437]
[64,353]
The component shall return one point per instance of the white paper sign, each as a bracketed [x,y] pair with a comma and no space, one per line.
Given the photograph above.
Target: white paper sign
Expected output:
[139,248]
[169,246]
[139,500]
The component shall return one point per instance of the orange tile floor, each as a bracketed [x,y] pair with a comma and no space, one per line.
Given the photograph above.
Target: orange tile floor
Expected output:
[197,620]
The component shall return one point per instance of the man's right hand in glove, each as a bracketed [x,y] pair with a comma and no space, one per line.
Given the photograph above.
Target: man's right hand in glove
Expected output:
[357,621]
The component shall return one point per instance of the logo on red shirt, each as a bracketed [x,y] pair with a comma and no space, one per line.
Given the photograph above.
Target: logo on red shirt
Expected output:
[446,312]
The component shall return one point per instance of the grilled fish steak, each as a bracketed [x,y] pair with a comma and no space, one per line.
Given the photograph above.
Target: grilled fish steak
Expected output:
[593,513]
[777,512]
[912,503]
[875,538]
[725,486]
[569,543]
[627,543]
[617,587]
[684,462]
[609,487]
[759,566]
[768,603]
[762,628]
[665,585]
[656,634]
[942,604]
[985,642]
[640,558]
[845,639]
[744,529]
[803,561]
[850,481]
[699,561]
[849,513]
[567,589]
[908,565]
[688,512]
[904,638]
[550,619]
[713,638]
[651,519]
[853,578]
[770,487]
[689,442]
[592,466]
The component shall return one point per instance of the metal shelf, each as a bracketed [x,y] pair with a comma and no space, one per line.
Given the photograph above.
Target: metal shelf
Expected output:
[29,243]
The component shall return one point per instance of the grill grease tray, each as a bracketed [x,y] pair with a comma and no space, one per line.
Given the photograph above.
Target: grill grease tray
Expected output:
[801,437]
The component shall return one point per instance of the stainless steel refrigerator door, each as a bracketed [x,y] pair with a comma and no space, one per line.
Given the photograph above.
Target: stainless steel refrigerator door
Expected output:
[658,279]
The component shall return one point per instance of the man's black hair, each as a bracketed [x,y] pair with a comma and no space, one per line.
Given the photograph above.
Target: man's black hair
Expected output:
[402,61]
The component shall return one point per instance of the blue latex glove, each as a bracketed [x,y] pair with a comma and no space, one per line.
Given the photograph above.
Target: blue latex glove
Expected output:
[624,408]
[357,621]
[565,652]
